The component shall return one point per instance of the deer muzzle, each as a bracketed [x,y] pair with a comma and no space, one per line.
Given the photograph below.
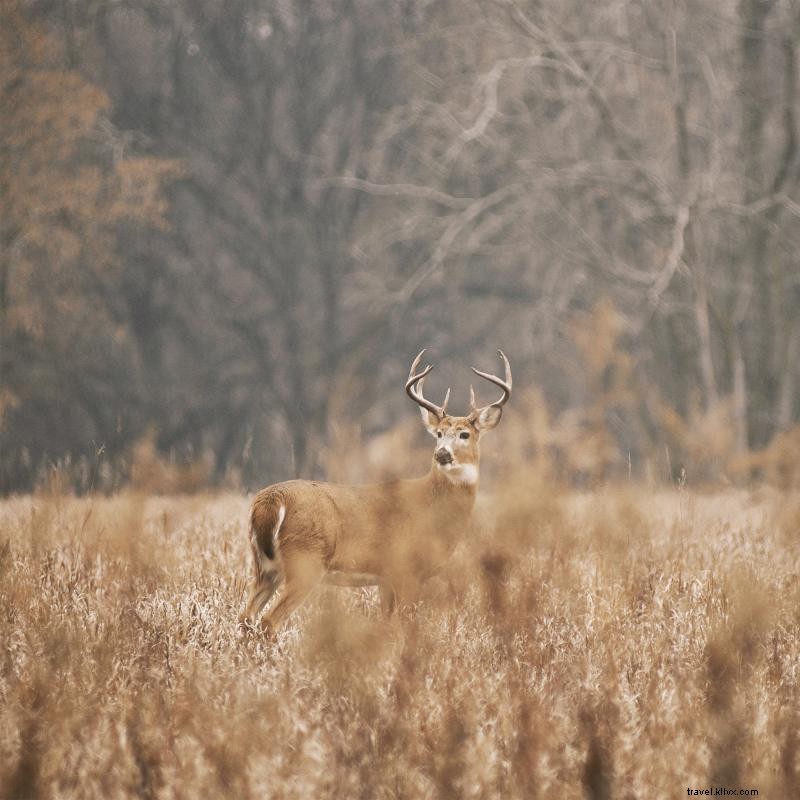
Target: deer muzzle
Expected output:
[443,456]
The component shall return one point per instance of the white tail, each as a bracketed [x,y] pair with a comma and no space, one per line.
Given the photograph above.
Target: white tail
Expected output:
[393,535]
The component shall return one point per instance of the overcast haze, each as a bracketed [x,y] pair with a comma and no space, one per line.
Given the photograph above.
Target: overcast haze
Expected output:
[228,227]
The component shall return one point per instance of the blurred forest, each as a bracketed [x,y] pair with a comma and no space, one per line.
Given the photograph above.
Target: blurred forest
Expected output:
[227,228]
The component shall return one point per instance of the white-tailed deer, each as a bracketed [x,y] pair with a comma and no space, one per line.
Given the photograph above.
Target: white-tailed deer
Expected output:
[392,536]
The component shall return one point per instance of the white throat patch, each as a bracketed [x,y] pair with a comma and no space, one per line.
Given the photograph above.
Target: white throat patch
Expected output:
[463,474]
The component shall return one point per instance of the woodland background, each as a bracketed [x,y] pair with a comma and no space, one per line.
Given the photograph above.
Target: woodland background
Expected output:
[226,228]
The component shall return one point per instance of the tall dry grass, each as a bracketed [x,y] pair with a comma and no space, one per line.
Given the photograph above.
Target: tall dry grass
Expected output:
[620,643]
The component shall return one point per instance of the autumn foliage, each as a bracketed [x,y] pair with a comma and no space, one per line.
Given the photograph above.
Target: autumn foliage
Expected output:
[68,193]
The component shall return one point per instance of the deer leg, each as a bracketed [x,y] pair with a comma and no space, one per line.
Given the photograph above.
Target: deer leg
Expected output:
[261,593]
[358,579]
[388,598]
[302,574]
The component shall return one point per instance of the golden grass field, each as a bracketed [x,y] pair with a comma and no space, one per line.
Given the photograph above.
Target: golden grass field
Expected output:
[625,643]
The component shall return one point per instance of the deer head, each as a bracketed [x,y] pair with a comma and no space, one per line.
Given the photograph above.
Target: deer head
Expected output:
[457,455]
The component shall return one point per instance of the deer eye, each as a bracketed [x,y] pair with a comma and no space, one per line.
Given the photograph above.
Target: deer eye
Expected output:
[463,435]
[439,434]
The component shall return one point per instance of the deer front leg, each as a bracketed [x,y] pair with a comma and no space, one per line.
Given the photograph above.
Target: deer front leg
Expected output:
[388,598]
[359,579]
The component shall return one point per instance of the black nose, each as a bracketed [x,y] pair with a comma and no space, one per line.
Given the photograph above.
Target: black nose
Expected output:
[443,456]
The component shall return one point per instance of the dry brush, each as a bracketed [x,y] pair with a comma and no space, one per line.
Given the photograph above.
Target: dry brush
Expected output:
[620,643]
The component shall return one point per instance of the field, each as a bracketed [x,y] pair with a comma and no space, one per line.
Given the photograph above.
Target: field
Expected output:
[625,643]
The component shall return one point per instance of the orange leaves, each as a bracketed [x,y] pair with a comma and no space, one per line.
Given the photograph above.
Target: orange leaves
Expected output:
[595,334]
[62,196]
[51,108]
[66,193]
[138,189]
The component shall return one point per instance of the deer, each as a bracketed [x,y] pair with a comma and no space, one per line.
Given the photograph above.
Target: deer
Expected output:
[392,536]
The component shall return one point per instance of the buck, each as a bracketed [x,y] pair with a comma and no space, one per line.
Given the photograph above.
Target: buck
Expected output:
[393,536]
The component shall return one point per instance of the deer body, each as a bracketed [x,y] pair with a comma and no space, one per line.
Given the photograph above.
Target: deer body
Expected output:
[393,535]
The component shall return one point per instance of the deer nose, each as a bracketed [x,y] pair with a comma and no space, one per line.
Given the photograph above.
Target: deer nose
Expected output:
[443,456]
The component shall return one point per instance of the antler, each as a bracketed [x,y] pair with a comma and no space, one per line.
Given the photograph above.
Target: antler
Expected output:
[414,388]
[504,385]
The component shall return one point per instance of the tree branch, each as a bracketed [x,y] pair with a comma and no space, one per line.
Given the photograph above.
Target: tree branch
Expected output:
[400,190]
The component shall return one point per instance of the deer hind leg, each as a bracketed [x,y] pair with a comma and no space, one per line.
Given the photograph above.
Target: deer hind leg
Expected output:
[266,518]
[261,592]
[359,579]
[301,574]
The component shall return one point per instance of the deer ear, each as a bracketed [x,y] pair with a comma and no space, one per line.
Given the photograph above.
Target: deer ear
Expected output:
[488,418]
[429,420]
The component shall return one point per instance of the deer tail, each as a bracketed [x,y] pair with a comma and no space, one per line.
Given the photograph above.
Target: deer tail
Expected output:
[266,519]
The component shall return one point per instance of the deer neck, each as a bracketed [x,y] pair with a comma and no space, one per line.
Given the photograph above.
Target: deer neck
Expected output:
[454,482]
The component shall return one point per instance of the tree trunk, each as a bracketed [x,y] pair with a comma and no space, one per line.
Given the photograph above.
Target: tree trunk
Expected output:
[706,354]
[739,393]
[788,379]
[755,267]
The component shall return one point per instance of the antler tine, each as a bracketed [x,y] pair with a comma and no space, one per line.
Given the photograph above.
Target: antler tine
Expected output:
[415,364]
[414,388]
[504,385]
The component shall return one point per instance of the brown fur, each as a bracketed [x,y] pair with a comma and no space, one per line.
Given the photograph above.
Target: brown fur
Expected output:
[400,532]
[393,535]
